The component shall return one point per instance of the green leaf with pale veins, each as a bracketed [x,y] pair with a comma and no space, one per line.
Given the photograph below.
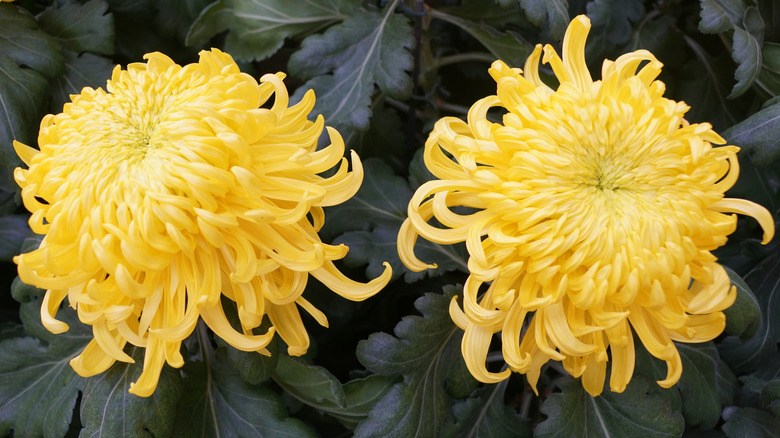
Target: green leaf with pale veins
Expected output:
[706,385]
[311,384]
[216,402]
[346,62]
[108,410]
[257,29]
[426,352]
[485,414]
[746,51]
[552,13]
[38,388]
[368,224]
[644,409]
[743,356]
[744,316]
[758,135]
[750,423]
[29,58]
[85,70]
[507,46]
[81,27]
[721,15]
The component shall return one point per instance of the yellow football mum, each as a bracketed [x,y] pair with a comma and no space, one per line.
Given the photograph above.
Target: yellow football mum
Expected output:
[594,208]
[172,188]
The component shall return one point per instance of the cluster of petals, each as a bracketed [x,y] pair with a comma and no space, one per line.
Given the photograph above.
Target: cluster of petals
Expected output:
[589,214]
[172,190]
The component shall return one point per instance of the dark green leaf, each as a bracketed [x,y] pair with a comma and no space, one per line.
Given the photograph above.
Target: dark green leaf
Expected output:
[612,24]
[85,70]
[252,366]
[643,409]
[361,396]
[256,30]
[426,352]
[81,27]
[552,13]
[216,402]
[175,17]
[744,316]
[28,59]
[746,355]
[746,51]
[367,49]
[507,46]
[38,388]
[758,135]
[496,14]
[721,15]
[485,414]
[706,385]
[311,384]
[108,410]
[770,397]
[749,423]
[13,231]
[769,78]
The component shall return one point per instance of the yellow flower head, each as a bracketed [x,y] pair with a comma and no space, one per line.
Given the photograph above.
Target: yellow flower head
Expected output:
[172,188]
[594,207]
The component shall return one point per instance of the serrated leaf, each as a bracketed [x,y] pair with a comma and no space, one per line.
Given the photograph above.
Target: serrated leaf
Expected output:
[706,385]
[758,135]
[611,23]
[746,51]
[256,30]
[311,384]
[367,49]
[721,15]
[216,402]
[28,59]
[749,423]
[13,231]
[426,352]
[552,13]
[108,410]
[485,414]
[744,316]
[38,388]
[507,46]
[643,409]
[85,70]
[80,27]
[746,355]
[368,224]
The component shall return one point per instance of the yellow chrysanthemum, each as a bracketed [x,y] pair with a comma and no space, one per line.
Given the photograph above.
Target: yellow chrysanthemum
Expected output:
[173,188]
[595,206]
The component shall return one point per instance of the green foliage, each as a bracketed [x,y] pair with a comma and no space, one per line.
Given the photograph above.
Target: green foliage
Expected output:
[426,352]
[611,22]
[13,231]
[216,402]
[744,316]
[750,423]
[38,389]
[107,409]
[484,414]
[345,63]
[643,409]
[256,30]
[758,135]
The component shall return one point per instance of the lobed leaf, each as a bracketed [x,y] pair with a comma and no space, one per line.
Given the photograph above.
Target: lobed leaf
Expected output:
[215,401]
[485,414]
[85,70]
[80,27]
[367,49]
[746,355]
[721,15]
[749,423]
[108,410]
[426,352]
[643,409]
[256,30]
[746,51]
[706,385]
[552,13]
[758,135]
[38,388]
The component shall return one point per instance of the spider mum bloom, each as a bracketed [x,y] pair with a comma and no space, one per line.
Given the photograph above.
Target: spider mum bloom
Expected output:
[593,209]
[172,188]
